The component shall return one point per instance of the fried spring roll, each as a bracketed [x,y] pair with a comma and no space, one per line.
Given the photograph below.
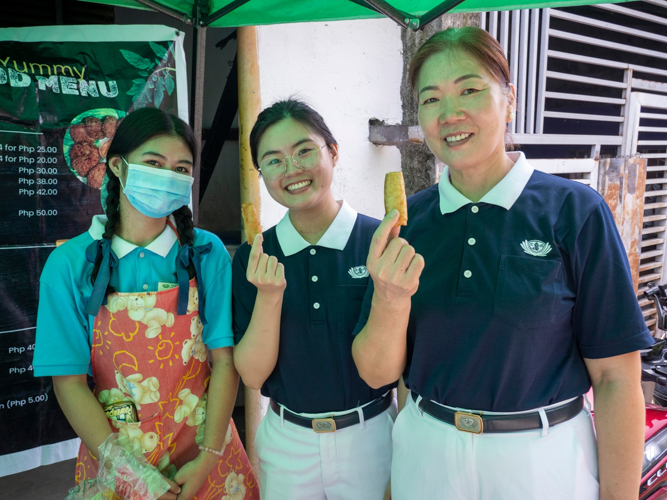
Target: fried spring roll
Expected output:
[394,197]
[251,221]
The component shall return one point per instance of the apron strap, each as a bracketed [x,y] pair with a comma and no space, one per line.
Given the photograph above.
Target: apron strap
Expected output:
[109,260]
[185,255]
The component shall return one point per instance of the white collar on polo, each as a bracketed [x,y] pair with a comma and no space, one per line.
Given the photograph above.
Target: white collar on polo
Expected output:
[160,245]
[504,194]
[335,237]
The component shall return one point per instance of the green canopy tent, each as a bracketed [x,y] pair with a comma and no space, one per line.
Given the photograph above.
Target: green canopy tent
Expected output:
[414,14]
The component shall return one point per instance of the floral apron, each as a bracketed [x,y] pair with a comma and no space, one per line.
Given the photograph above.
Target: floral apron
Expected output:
[145,353]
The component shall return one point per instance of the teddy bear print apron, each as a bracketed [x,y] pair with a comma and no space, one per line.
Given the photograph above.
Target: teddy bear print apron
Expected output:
[144,352]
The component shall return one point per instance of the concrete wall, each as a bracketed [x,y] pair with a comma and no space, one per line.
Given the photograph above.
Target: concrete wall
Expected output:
[350,72]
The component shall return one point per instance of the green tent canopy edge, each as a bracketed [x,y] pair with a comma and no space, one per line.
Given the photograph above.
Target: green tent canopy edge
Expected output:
[413,14]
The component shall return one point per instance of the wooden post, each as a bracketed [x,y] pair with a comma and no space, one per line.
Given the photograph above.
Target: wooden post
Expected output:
[622,183]
[197,109]
[249,107]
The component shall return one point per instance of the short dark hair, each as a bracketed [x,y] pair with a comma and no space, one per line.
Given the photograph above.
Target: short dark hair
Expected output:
[474,41]
[282,110]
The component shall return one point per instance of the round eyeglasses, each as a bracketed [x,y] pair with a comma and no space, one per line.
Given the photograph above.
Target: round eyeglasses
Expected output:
[305,157]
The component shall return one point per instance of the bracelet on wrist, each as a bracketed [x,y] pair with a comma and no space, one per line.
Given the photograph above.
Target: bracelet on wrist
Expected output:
[211,450]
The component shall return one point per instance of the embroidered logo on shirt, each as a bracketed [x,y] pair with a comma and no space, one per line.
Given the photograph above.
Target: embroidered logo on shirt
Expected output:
[536,248]
[358,272]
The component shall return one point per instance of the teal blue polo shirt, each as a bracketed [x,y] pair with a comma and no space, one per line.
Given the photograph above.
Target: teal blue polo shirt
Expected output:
[65,331]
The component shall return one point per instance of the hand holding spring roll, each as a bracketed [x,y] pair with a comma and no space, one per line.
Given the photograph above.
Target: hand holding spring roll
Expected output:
[251,222]
[394,197]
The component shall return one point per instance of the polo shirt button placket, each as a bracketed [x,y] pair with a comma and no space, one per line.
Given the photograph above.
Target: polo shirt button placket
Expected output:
[465,285]
[315,295]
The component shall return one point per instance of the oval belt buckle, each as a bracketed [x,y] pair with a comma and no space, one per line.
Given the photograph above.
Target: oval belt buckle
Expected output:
[321,425]
[468,422]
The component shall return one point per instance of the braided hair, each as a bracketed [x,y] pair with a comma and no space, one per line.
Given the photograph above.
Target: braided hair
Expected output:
[133,131]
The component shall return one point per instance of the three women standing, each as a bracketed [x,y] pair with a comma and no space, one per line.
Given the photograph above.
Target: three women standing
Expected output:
[525,300]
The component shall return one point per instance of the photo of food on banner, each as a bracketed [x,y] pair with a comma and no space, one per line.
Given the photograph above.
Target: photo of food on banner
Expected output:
[86,143]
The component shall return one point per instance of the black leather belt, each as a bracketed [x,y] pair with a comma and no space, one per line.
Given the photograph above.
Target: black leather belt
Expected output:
[332,424]
[479,422]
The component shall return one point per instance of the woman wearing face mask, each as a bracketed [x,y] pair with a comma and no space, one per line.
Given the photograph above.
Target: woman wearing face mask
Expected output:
[297,294]
[142,301]
[525,300]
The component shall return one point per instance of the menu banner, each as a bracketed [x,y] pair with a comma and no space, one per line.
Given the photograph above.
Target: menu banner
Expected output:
[63,91]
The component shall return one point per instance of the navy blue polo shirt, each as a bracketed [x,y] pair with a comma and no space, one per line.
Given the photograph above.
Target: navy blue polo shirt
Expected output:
[326,282]
[517,290]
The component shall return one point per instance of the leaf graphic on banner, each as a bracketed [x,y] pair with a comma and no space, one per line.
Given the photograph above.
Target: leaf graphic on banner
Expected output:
[137,86]
[142,99]
[159,50]
[143,73]
[159,92]
[136,60]
[169,83]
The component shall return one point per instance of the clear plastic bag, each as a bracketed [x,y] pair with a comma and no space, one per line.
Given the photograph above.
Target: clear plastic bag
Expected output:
[121,476]
[90,490]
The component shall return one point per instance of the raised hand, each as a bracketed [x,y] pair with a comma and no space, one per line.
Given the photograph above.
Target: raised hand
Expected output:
[392,263]
[264,271]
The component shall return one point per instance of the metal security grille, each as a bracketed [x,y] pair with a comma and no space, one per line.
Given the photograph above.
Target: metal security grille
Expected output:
[590,82]
[647,135]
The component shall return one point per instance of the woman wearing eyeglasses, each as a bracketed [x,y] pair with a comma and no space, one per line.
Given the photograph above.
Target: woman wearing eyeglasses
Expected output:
[297,297]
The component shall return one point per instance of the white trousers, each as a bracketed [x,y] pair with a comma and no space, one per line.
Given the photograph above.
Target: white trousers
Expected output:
[296,463]
[433,460]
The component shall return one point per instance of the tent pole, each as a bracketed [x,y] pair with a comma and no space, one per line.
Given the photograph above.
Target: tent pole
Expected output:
[249,107]
[166,10]
[197,109]
[386,9]
[224,11]
[59,12]
[436,12]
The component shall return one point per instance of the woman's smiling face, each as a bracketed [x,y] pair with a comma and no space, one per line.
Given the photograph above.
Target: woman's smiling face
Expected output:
[298,189]
[463,110]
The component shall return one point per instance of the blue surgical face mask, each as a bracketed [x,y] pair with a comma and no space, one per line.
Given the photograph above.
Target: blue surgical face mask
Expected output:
[156,192]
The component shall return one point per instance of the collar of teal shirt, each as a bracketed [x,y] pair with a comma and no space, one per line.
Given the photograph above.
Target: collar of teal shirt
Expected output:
[160,245]
[504,194]
[335,237]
